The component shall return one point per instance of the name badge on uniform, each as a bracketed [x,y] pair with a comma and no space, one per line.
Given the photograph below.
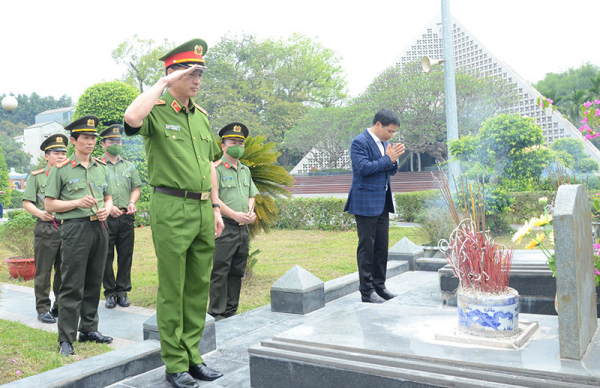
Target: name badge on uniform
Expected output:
[75,180]
[172,127]
[227,178]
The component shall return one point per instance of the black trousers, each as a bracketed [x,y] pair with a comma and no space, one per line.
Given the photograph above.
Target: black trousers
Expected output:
[84,246]
[121,235]
[372,252]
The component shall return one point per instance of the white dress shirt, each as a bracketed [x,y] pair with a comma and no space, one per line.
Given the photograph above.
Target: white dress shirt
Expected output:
[377,141]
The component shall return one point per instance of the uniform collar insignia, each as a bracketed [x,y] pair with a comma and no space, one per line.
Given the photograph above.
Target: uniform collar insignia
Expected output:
[226,165]
[74,162]
[104,160]
[176,106]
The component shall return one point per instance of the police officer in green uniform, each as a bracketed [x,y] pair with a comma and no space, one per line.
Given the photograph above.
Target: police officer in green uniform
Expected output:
[79,190]
[236,195]
[47,248]
[180,147]
[120,224]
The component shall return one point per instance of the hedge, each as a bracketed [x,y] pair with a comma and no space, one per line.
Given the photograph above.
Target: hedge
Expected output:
[409,205]
[314,213]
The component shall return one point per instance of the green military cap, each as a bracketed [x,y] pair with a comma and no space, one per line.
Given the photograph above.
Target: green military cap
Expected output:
[188,54]
[234,130]
[56,142]
[86,124]
[115,130]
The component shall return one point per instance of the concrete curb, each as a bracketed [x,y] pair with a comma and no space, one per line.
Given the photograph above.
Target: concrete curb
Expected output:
[342,286]
[99,371]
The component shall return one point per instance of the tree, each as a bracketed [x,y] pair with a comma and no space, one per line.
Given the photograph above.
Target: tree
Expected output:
[140,56]
[327,130]
[108,101]
[11,129]
[563,87]
[508,147]
[14,156]
[580,161]
[269,84]
[4,182]
[418,99]
[30,106]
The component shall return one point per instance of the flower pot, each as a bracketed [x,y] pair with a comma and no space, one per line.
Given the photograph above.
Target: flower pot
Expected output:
[488,315]
[20,267]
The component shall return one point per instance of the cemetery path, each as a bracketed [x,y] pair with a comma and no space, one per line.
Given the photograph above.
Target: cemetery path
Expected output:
[17,303]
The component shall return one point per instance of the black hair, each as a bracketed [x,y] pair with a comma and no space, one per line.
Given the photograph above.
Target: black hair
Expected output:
[75,135]
[386,117]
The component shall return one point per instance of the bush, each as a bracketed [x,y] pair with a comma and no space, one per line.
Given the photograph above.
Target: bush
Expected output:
[142,216]
[525,205]
[314,213]
[436,223]
[409,205]
[16,200]
[17,234]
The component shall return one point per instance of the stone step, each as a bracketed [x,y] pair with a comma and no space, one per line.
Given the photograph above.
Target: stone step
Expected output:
[307,365]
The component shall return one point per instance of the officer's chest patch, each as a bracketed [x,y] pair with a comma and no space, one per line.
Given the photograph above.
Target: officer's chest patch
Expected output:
[172,127]
[227,178]
[75,180]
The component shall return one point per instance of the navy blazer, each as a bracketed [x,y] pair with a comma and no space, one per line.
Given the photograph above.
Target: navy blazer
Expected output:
[370,174]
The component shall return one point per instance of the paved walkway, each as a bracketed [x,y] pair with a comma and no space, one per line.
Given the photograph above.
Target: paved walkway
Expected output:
[17,303]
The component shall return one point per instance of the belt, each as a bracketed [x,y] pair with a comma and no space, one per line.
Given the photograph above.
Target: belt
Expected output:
[183,193]
[232,222]
[90,218]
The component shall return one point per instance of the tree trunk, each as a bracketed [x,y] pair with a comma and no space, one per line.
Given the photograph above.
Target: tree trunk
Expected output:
[419,162]
[412,169]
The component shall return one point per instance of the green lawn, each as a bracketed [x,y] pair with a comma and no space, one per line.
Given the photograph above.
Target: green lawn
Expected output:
[25,351]
[327,255]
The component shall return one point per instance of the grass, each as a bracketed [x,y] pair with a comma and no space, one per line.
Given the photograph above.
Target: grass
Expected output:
[327,255]
[25,351]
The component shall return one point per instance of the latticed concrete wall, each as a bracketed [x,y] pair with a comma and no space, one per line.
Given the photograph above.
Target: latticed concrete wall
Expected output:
[472,57]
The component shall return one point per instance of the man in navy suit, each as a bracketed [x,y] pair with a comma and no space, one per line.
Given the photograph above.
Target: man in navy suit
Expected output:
[370,200]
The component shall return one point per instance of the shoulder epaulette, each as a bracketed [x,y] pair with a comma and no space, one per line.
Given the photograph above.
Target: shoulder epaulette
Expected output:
[100,161]
[201,109]
[159,102]
[217,164]
[64,162]
[36,172]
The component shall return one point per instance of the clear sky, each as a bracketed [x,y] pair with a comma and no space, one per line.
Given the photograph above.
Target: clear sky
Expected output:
[63,47]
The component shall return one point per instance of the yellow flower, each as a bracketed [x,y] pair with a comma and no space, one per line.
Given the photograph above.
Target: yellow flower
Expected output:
[536,241]
[523,230]
[543,220]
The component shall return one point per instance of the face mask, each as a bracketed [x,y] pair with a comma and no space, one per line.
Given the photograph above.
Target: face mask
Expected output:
[115,149]
[235,152]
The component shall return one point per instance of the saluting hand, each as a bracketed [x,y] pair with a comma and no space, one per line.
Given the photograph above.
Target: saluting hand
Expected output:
[102,214]
[177,75]
[87,202]
[45,216]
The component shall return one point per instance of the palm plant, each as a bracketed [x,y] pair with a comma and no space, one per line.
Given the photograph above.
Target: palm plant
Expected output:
[576,99]
[270,179]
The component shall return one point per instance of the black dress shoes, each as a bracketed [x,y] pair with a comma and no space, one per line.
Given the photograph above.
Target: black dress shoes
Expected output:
[66,349]
[181,380]
[123,301]
[54,310]
[373,298]
[111,302]
[202,372]
[46,317]
[94,336]
[386,294]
